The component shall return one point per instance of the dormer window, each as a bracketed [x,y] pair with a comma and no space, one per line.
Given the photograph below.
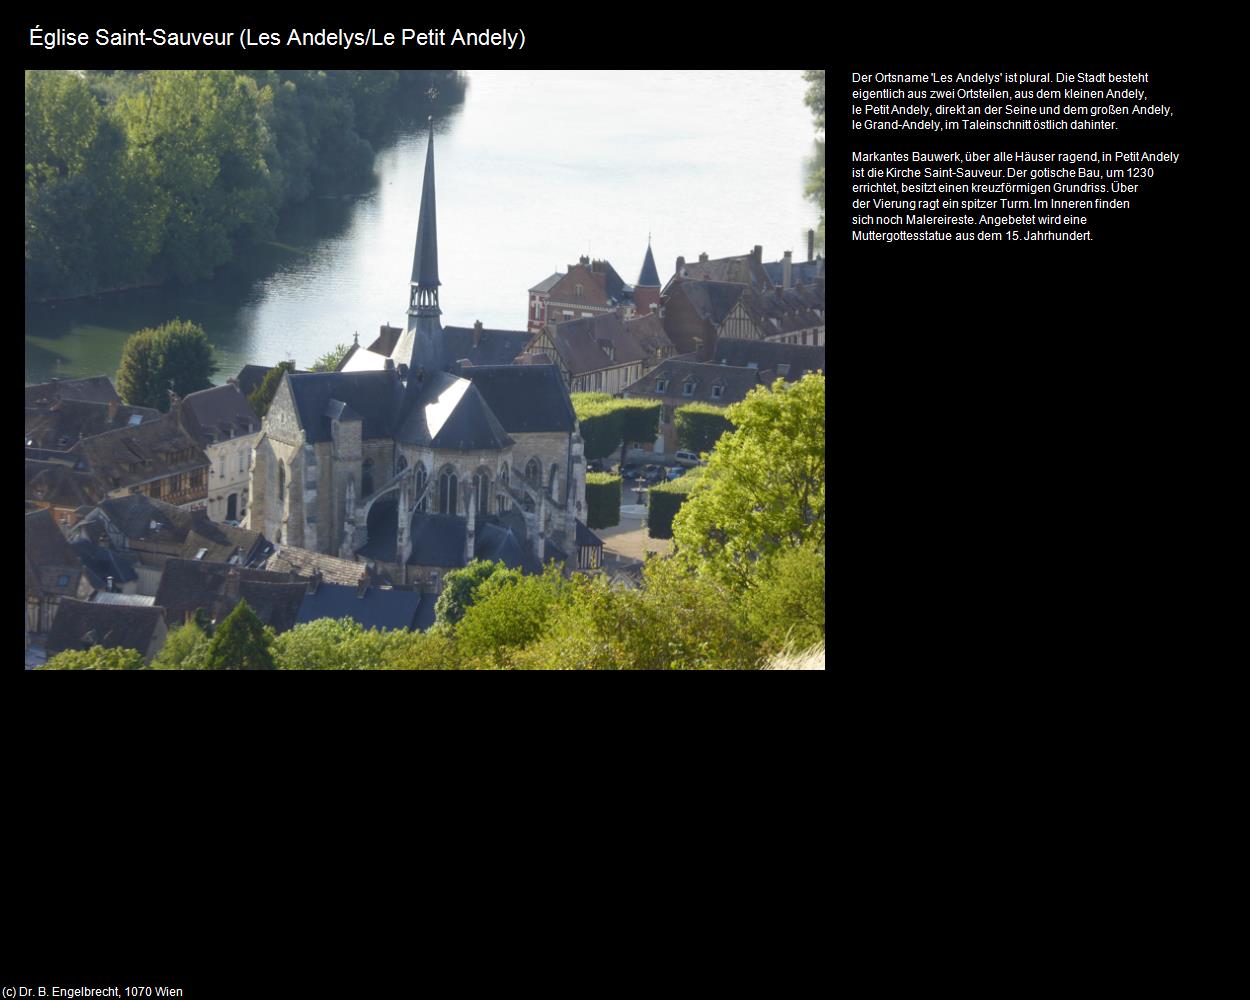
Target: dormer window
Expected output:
[717,391]
[785,369]
[688,388]
[661,386]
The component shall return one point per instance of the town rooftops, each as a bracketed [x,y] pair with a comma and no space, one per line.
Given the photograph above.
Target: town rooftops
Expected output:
[374,395]
[188,584]
[100,563]
[218,414]
[712,300]
[150,450]
[802,272]
[98,390]
[306,564]
[131,600]
[767,355]
[59,485]
[484,346]
[547,283]
[52,566]
[251,376]
[583,344]
[669,379]
[82,624]
[369,606]
[451,414]
[155,526]
[64,422]
[744,269]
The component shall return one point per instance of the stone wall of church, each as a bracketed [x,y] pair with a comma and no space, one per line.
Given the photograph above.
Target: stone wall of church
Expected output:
[466,465]
[279,512]
[555,448]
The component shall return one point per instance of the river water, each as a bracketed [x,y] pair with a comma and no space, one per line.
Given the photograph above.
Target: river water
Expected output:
[533,170]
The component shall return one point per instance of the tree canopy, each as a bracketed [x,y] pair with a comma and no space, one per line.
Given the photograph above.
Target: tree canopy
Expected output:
[240,642]
[177,355]
[96,658]
[262,395]
[331,360]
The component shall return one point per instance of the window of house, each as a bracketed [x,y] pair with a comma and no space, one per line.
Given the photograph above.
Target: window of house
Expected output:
[718,391]
[577,291]
[661,386]
[155,490]
[568,314]
[197,479]
[688,389]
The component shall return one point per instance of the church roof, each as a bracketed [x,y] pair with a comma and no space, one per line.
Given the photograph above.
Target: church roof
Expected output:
[450,413]
[425,259]
[374,608]
[437,540]
[494,347]
[373,395]
[648,277]
[526,398]
[496,543]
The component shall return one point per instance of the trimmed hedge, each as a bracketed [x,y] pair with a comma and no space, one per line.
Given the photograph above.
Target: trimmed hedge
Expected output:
[607,423]
[603,500]
[699,426]
[665,500]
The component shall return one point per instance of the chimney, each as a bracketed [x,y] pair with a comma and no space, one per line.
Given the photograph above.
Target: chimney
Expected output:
[112,410]
[758,253]
[811,243]
[232,583]
[389,364]
[787,270]
[703,257]
[681,263]
[584,261]
[477,332]
[108,585]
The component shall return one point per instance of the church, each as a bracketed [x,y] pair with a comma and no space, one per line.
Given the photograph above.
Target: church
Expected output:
[425,450]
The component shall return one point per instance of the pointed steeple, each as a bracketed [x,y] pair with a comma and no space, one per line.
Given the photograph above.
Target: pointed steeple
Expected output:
[649,277]
[424,299]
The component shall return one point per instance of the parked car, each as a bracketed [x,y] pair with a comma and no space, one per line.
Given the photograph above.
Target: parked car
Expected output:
[653,473]
[631,470]
[596,465]
[687,458]
[675,473]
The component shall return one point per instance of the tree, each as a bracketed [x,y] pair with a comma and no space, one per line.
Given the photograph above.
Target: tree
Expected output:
[509,613]
[331,360]
[640,421]
[333,644]
[784,603]
[763,488]
[460,588]
[241,642]
[664,501]
[186,648]
[815,99]
[96,658]
[599,422]
[700,426]
[603,500]
[262,395]
[177,355]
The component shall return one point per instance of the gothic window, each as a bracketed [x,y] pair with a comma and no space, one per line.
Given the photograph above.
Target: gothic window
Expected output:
[420,478]
[366,478]
[281,482]
[447,491]
[529,505]
[533,472]
[553,482]
[481,483]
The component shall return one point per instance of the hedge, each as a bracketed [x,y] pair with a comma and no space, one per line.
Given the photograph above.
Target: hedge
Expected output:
[607,423]
[603,500]
[699,426]
[665,500]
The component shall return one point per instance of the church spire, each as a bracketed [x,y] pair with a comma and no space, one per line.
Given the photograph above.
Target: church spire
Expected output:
[424,292]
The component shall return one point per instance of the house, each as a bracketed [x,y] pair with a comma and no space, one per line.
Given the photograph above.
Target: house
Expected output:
[589,548]
[224,424]
[83,624]
[53,572]
[105,568]
[367,605]
[189,585]
[305,564]
[148,533]
[60,483]
[157,458]
[603,353]
[697,312]
[353,463]
[65,422]
[771,359]
[95,390]
[745,269]
[677,382]
[588,287]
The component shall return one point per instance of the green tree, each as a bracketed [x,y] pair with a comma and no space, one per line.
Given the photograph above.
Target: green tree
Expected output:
[96,658]
[177,355]
[599,423]
[603,500]
[262,395]
[333,644]
[699,426]
[815,99]
[763,488]
[784,602]
[508,613]
[331,360]
[240,642]
[186,648]
[460,588]
[640,422]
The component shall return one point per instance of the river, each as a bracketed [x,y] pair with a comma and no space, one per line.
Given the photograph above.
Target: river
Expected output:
[533,170]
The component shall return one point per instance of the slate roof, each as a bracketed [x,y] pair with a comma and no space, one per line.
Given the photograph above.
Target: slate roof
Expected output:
[97,389]
[547,283]
[305,563]
[713,300]
[66,421]
[648,277]
[180,532]
[389,609]
[99,563]
[737,382]
[425,615]
[498,543]
[580,343]
[49,558]
[600,275]
[133,455]
[188,584]
[787,311]
[373,395]
[129,600]
[495,347]
[437,540]
[82,624]
[745,269]
[586,537]
[767,355]
[648,332]
[525,398]
[802,272]
[218,414]
[451,414]
[388,337]
[61,486]
[276,604]
[251,376]
[425,257]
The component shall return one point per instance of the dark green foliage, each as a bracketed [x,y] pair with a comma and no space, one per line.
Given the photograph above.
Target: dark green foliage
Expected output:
[815,99]
[241,642]
[177,355]
[509,612]
[603,500]
[599,422]
[330,361]
[460,587]
[785,601]
[699,426]
[262,395]
[640,422]
[665,500]
[186,648]
[96,658]
[139,177]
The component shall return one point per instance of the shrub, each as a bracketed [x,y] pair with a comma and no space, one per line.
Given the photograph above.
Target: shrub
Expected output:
[603,500]
[665,500]
[699,426]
